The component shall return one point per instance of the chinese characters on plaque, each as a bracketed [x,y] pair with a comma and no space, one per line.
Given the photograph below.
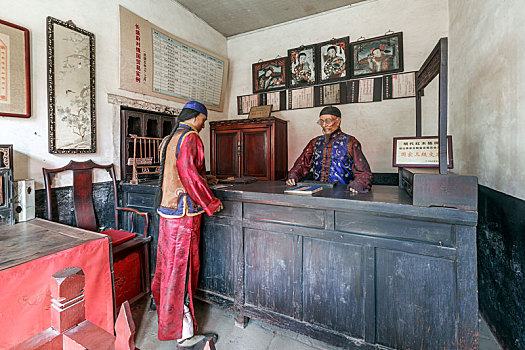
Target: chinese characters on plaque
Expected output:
[332,94]
[277,99]
[399,85]
[301,98]
[419,152]
[363,90]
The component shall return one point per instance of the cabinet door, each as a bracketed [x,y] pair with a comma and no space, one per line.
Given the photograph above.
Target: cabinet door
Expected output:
[255,150]
[226,153]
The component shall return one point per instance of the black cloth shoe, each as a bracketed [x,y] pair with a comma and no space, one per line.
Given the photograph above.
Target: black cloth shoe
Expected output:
[197,342]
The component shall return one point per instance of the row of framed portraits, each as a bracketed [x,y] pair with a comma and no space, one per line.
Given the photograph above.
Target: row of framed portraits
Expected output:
[330,61]
[373,89]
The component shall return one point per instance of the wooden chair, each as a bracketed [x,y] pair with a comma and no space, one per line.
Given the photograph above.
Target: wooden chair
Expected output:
[129,250]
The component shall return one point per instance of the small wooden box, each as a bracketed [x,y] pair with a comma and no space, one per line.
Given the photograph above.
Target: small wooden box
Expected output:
[430,189]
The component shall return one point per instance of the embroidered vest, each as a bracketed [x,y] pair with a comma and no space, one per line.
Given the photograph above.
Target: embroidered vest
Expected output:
[331,161]
[176,202]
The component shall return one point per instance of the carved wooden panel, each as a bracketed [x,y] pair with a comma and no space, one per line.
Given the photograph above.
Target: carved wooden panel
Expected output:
[256,153]
[216,273]
[416,301]
[271,267]
[334,286]
[226,149]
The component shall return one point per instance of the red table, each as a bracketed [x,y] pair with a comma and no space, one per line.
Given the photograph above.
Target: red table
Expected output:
[30,253]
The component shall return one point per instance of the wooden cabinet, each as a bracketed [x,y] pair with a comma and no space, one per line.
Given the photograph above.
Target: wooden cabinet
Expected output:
[143,125]
[249,147]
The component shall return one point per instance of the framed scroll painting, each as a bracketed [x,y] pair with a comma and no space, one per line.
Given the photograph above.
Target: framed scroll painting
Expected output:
[71,88]
[15,77]
[333,60]
[375,56]
[270,75]
[302,66]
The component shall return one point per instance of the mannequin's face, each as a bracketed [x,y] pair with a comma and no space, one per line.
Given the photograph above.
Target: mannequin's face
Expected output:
[198,122]
[329,123]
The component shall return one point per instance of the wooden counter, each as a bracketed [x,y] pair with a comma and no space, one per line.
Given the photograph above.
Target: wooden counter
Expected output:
[366,269]
[355,271]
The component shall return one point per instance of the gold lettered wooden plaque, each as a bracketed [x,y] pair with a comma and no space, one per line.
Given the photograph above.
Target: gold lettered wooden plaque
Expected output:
[260,112]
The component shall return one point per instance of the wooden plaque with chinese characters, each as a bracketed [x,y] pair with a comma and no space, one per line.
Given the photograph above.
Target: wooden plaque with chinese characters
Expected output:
[156,63]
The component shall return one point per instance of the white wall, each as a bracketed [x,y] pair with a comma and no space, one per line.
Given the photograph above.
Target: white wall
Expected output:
[487,91]
[101,17]
[423,23]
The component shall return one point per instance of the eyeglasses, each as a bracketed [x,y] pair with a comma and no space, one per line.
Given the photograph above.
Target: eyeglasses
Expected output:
[327,122]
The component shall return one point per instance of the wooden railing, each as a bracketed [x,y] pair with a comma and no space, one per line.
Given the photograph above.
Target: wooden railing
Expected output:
[146,158]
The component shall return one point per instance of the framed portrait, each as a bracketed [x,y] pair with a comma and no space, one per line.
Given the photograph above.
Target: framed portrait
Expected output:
[420,152]
[302,66]
[15,77]
[380,55]
[332,64]
[270,75]
[71,88]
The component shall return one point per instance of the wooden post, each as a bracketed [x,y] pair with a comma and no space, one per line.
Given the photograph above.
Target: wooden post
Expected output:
[67,303]
[125,329]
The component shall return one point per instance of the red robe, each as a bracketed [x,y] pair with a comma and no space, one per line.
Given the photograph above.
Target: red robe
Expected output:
[178,243]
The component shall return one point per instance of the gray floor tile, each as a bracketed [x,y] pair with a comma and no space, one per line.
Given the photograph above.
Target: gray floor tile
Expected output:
[256,336]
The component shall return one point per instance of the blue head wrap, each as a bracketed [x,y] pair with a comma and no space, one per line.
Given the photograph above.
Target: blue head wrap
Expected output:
[197,106]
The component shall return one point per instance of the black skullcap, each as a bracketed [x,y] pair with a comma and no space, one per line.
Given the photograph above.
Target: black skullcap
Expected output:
[331,110]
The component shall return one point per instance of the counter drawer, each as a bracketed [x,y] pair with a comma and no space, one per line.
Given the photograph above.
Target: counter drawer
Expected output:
[284,215]
[435,233]
[142,200]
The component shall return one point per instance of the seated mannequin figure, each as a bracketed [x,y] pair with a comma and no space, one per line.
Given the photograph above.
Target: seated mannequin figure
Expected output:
[333,157]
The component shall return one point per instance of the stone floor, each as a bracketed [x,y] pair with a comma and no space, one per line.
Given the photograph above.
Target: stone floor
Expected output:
[256,336]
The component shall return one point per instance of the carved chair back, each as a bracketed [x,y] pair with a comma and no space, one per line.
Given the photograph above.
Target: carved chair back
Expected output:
[84,208]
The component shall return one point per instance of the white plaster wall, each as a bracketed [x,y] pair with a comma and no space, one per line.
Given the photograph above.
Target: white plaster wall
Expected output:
[422,22]
[487,91]
[101,17]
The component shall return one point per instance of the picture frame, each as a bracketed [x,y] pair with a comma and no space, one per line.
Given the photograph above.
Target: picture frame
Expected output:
[71,88]
[277,79]
[15,71]
[399,85]
[333,63]
[6,156]
[246,102]
[302,63]
[425,152]
[376,56]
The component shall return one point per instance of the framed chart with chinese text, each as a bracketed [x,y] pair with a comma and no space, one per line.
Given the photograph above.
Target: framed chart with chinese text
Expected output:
[156,63]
